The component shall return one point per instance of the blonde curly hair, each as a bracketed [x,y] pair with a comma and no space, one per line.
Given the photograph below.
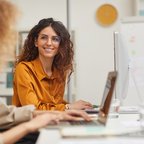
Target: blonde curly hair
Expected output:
[8,17]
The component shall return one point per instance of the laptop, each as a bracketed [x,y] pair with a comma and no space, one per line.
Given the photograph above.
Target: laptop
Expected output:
[102,117]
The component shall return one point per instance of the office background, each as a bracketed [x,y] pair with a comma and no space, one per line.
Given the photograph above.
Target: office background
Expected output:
[93,43]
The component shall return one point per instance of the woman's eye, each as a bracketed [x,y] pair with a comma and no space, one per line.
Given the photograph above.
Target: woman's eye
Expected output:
[56,39]
[44,38]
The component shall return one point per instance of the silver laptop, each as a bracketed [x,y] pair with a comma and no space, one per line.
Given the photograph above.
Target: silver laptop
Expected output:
[103,110]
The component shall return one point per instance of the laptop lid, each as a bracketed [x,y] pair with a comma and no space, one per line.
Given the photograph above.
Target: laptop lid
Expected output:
[107,97]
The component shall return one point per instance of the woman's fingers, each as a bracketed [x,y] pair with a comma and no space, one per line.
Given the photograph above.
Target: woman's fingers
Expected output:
[77,114]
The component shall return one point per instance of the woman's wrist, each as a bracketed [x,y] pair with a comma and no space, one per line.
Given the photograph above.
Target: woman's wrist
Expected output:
[67,106]
[27,127]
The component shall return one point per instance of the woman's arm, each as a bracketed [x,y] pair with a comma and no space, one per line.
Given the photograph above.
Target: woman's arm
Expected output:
[17,132]
[11,115]
[41,120]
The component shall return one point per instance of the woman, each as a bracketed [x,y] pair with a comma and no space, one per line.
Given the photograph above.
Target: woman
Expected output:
[44,68]
[11,115]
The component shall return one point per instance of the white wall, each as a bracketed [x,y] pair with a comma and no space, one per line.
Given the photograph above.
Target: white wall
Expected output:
[93,43]
[34,10]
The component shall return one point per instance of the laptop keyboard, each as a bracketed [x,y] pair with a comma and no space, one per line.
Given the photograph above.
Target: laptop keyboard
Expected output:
[84,123]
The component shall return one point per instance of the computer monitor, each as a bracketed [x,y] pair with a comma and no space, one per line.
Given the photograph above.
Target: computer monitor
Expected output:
[121,66]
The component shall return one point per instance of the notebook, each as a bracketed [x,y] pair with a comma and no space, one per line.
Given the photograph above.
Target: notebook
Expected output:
[102,117]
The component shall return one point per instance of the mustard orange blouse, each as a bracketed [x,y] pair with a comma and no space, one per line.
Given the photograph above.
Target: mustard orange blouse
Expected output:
[33,86]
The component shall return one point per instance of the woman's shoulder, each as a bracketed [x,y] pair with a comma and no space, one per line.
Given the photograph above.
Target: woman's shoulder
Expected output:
[24,65]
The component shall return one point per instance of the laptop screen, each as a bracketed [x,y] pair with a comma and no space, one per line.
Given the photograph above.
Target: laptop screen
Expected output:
[107,97]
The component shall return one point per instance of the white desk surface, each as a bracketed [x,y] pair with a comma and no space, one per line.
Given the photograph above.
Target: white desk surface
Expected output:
[125,122]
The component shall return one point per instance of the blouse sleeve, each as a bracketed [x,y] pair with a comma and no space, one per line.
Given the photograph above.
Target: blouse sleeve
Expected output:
[11,115]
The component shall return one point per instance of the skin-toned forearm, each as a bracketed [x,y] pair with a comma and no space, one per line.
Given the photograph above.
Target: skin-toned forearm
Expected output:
[14,134]
[39,112]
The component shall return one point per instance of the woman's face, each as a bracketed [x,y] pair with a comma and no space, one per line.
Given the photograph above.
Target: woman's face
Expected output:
[48,43]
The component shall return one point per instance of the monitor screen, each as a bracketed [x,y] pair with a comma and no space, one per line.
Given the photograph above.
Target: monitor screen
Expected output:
[121,66]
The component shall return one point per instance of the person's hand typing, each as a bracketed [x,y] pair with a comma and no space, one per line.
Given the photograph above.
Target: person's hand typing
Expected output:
[80,105]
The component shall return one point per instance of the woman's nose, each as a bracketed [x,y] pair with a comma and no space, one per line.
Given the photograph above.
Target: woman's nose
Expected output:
[49,41]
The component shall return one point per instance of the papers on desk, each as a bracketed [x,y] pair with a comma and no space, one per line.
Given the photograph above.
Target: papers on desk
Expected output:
[114,140]
[81,132]
[131,123]
[129,110]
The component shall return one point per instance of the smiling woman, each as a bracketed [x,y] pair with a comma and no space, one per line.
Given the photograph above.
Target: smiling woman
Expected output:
[44,68]
[48,45]
[31,119]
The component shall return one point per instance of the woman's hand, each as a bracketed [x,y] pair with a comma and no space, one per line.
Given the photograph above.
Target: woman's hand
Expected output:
[53,117]
[74,115]
[42,120]
[80,105]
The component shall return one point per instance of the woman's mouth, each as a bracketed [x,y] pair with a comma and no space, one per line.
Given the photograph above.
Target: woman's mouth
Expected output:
[48,49]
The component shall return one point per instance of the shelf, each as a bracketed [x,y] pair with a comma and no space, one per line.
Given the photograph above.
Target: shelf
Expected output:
[139,7]
[6,92]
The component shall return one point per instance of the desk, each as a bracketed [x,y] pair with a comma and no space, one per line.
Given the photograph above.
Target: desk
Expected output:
[125,122]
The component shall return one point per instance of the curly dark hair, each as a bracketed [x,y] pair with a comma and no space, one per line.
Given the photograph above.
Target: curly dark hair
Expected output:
[63,61]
